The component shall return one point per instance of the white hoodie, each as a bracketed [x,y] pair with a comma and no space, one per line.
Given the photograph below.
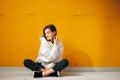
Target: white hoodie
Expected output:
[49,54]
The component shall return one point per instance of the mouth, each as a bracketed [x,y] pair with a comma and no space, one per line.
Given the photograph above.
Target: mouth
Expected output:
[47,38]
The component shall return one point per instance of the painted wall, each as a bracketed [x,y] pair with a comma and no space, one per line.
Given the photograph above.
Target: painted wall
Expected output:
[89,29]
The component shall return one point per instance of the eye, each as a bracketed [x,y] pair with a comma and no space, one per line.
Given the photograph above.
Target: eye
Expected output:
[47,33]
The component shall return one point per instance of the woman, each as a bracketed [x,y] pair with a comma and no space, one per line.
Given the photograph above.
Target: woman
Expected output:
[49,61]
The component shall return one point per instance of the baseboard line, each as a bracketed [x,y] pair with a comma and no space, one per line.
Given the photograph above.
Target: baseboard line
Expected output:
[93,69]
[68,69]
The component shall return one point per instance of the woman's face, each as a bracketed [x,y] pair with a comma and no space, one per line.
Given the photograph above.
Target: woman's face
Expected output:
[49,34]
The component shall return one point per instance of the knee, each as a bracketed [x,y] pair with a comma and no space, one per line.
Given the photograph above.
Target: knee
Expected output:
[66,61]
[26,62]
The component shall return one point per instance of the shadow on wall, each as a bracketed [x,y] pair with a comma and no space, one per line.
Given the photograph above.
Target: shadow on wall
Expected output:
[76,57]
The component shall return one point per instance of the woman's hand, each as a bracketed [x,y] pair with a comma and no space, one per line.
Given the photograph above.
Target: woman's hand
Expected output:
[55,40]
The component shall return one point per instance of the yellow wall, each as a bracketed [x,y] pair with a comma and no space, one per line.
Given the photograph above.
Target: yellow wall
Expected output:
[89,29]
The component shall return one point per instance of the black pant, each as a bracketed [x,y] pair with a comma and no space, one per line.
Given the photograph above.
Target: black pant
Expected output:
[36,66]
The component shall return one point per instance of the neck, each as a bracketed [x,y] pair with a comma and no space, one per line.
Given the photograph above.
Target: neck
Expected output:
[52,41]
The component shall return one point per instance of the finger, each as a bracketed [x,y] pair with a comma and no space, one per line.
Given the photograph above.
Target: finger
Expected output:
[56,37]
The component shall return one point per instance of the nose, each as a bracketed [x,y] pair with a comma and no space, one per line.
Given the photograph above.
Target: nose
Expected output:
[46,35]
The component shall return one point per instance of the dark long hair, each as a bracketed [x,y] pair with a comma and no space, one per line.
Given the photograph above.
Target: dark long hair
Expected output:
[51,27]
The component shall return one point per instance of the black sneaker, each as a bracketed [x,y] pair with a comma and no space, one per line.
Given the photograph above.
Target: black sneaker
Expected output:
[55,74]
[37,74]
